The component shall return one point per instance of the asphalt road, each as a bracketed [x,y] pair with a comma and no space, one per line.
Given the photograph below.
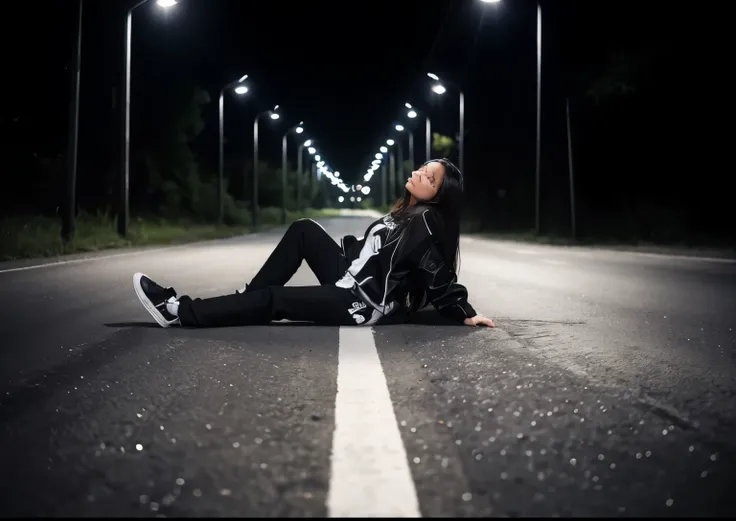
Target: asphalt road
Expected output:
[607,389]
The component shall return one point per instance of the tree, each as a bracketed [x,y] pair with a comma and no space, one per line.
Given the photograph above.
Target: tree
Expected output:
[624,73]
[174,179]
[443,145]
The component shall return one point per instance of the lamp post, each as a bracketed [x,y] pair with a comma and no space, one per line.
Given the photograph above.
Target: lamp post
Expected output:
[439,88]
[313,172]
[400,167]
[299,174]
[379,156]
[68,224]
[537,165]
[125,156]
[391,169]
[284,145]
[240,89]
[274,115]
[428,139]
[411,114]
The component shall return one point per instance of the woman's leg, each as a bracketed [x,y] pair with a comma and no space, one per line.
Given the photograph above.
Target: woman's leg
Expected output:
[324,305]
[303,240]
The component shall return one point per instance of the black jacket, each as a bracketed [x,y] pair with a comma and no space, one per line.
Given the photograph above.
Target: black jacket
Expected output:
[403,273]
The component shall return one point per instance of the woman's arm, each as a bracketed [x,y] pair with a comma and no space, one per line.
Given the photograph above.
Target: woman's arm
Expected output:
[447,296]
[444,292]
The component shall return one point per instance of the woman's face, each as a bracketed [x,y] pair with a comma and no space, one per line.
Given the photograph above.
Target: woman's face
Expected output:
[426,180]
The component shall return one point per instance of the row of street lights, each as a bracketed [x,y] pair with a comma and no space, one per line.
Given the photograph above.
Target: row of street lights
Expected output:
[68,220]
[440,89]
[238,86]
[384,153]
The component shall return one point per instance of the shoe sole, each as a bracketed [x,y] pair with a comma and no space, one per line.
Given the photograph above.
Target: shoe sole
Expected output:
[155,313]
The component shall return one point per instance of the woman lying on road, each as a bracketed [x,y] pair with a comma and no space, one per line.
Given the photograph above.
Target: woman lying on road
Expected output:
[406,259]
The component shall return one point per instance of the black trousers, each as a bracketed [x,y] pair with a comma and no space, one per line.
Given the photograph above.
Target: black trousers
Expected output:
[267,299]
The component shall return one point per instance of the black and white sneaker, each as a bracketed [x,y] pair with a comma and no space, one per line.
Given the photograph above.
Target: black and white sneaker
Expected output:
[154,298]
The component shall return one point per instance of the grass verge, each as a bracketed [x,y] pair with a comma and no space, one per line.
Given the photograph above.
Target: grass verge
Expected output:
[32,237]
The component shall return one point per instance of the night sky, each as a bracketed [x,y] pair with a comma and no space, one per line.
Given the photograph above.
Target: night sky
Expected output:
[346,69]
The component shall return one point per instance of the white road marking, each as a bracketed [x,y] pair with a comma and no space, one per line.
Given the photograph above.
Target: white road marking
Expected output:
[123,254]
[87,259]
[587,250]
[370,474]
[723,260]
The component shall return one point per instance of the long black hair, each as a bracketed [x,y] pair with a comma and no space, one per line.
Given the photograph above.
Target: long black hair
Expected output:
[446,205]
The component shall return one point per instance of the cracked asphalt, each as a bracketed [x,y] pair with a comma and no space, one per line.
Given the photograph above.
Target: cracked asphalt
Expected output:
[607,389]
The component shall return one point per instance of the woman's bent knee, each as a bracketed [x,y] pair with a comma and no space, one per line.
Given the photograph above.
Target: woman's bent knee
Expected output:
[306,225]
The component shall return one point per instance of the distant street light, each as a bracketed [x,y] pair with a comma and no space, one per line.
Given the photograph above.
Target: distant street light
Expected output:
[400,128]
[240,89]
[255,209]
[440,89]
[298,129]
[125,159]
[428,135]
[390,142]
[383,149]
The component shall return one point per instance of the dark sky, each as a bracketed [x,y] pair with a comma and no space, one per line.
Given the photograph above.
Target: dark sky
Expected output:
[345,68]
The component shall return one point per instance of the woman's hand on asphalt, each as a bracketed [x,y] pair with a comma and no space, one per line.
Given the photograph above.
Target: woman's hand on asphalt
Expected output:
[479,320]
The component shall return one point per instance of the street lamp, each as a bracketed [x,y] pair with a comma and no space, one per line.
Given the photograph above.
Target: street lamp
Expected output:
[411,114]
[539,113]
[299,168]
[68,224]
[240,90]
[298,129]
[440,89]
[271,113]
[125,156]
